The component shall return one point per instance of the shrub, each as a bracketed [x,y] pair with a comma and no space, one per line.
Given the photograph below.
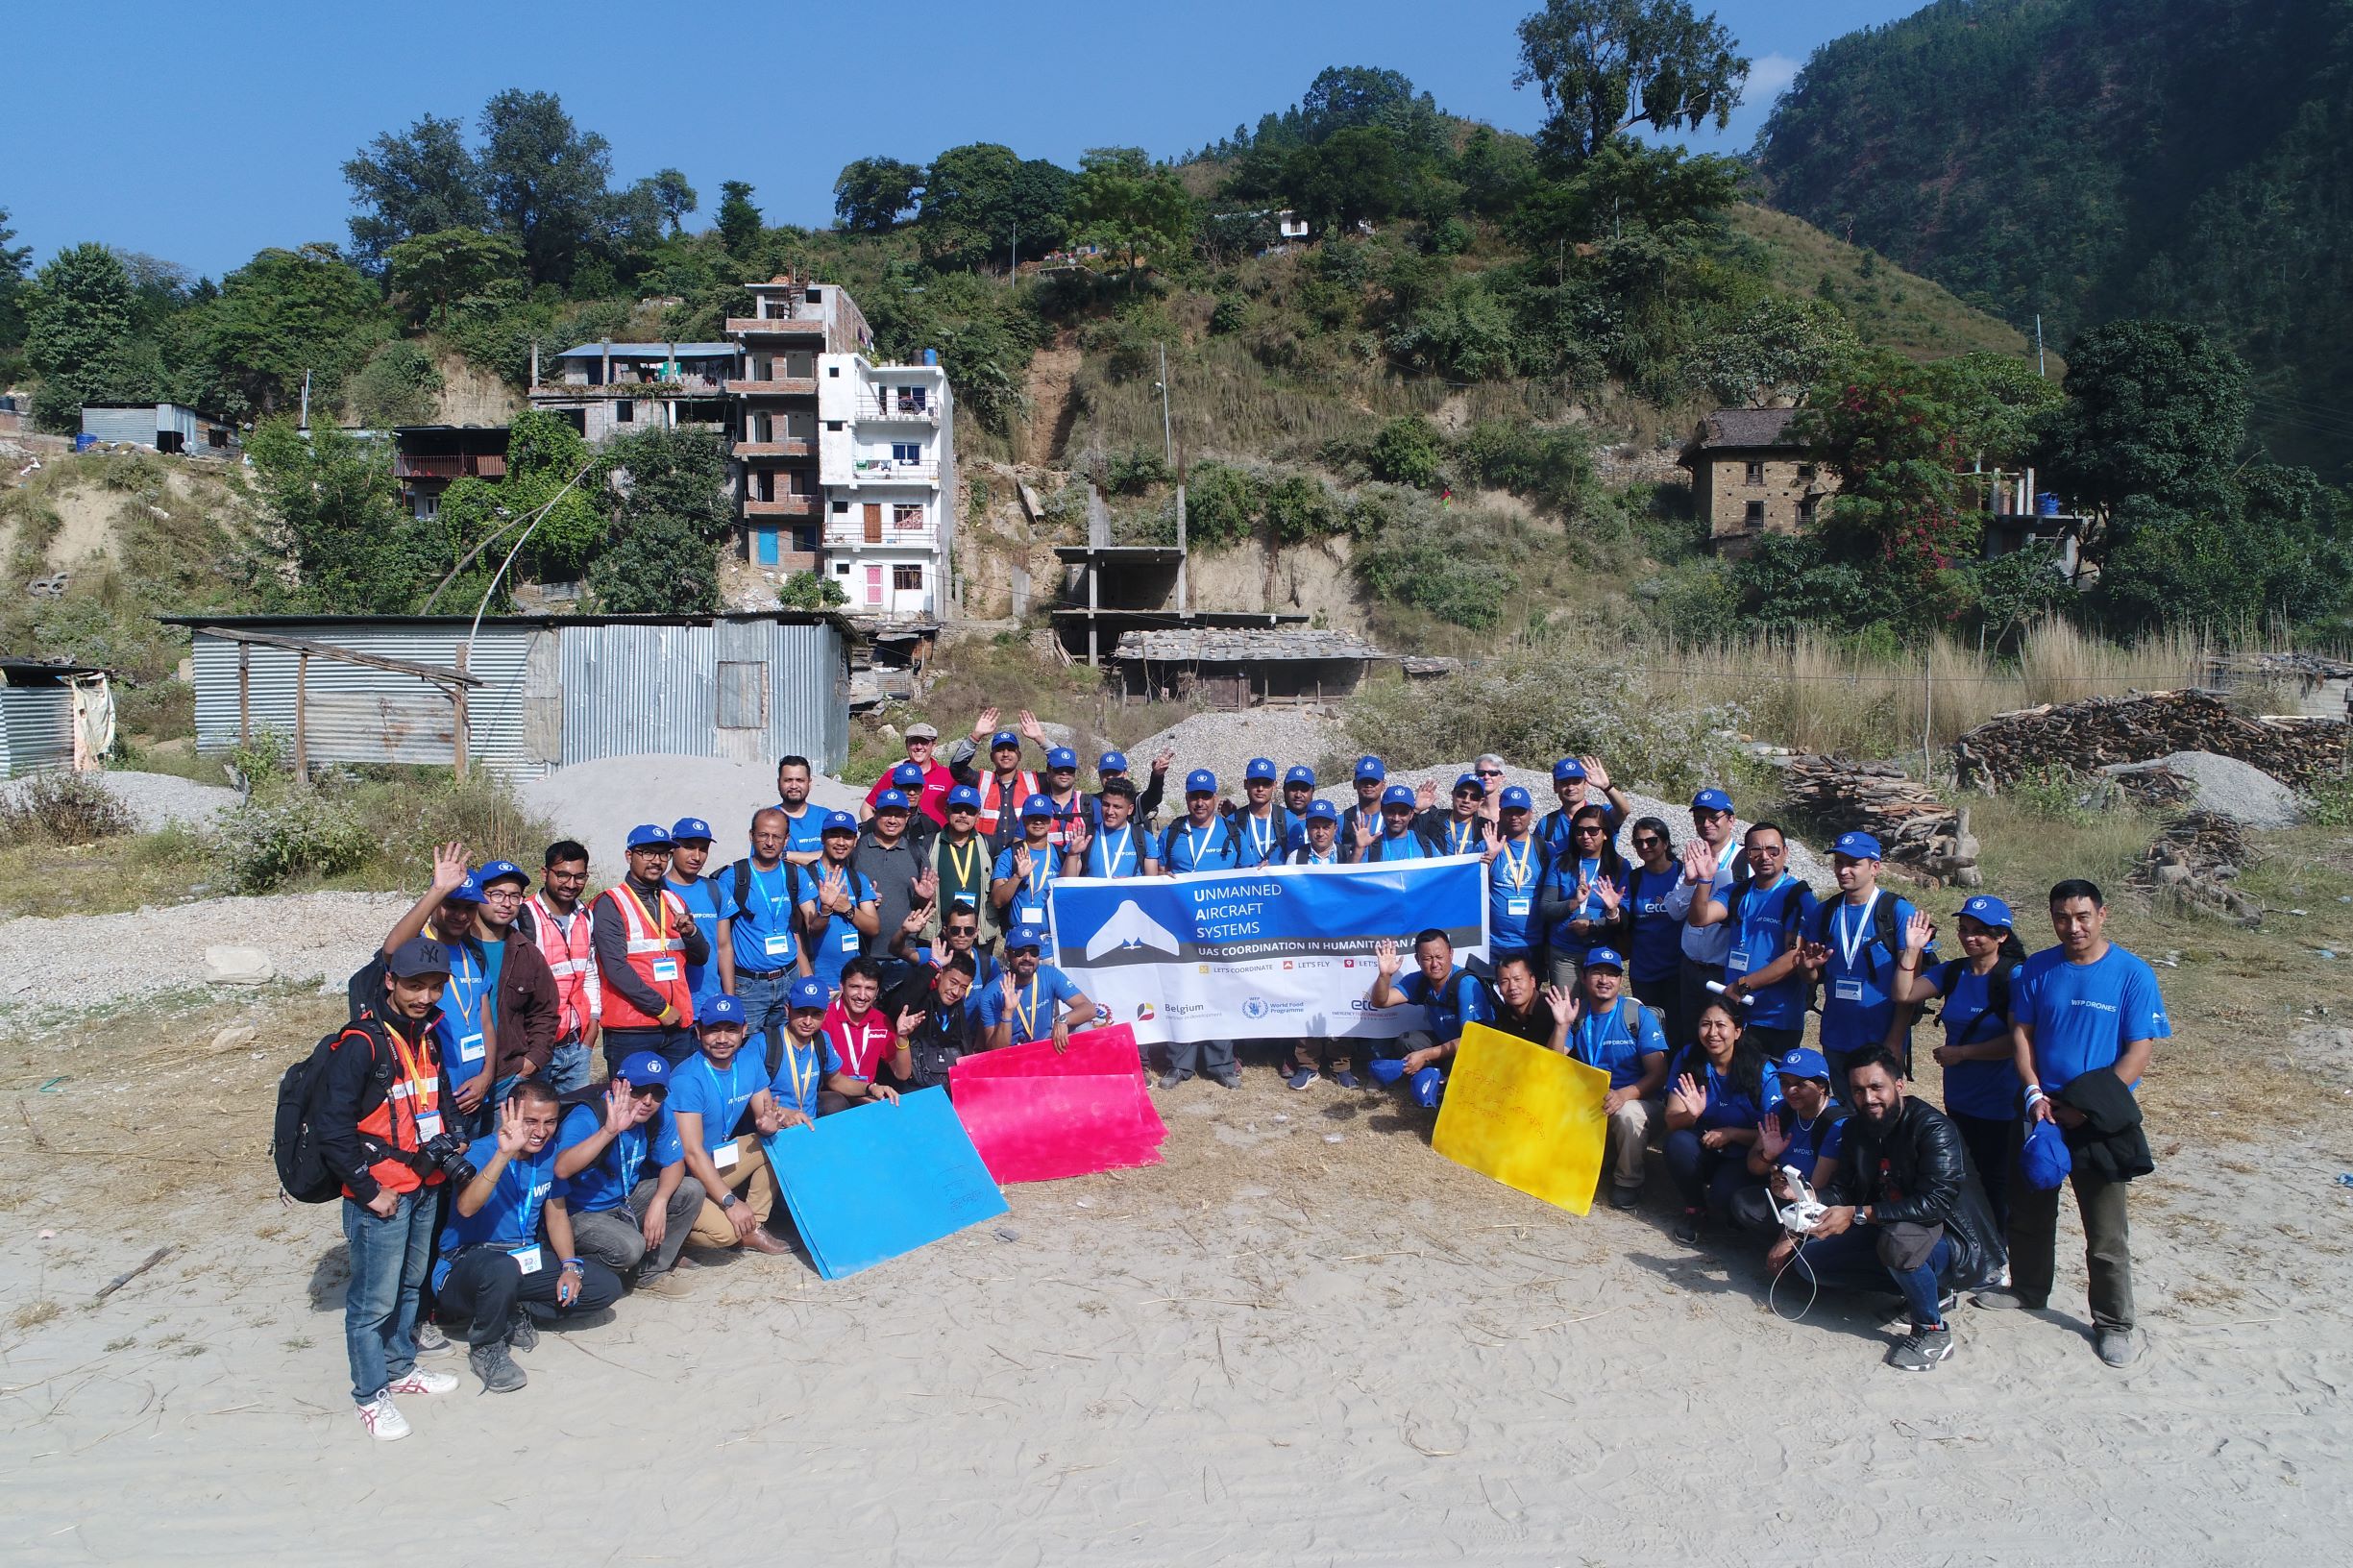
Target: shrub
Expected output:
[1299,508]
[1221,506]
[61,808]
[2056,792]
[811,591]
[290,831]
[1420,563]
[2329,802]
[1407,452]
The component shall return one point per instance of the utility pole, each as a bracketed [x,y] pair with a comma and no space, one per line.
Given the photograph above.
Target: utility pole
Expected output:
[305,425]
[1166,438]
[1012,272]
[2038,369]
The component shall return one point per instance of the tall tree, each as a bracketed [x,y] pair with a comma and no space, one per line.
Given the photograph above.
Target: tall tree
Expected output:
[870,193]
[410,182]
[332,514]
[663,556]
[1605,66]
[739,221]
[282,313]
[545,179]
[2154,408]
[978,198]
[14,259]
[79,337]
[673,195]
[431,273]
[1124,202]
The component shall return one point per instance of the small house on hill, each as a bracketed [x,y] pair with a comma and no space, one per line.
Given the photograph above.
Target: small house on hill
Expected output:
[1235,667]
[163,426]
[1751,475]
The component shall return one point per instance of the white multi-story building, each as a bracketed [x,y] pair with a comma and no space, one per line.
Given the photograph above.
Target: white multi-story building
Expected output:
[887,458]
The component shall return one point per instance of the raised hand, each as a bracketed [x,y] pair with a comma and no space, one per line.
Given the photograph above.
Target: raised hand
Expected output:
[1426,794]
[448,866]
[1563,1004]
[511,1136]
[1814,955]
[837,894]
[617,1108]
[926,885]
[1011,990]
[1769,1141]
[1698,861]
[1165,760]
[1694,1098]
[1608,893]
[1493,843]
[1917,932]
[1077,838]
[985,726]
[910,1020]
[1597,777]
[1031,729]
[915,920]
[1385,956]
[1021,862]
[1363,831]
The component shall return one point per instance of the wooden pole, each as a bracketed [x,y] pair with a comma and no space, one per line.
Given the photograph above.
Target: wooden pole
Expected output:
[245,694]
[302,718]
[458,704]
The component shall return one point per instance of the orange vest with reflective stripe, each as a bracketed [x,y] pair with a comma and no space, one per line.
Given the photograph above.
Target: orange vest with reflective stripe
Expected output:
[995,807]
[568,946]
[414,1088]
[651,946]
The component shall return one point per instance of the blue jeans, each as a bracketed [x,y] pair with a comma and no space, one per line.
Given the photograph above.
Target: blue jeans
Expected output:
[566,1066]
[1850,1261]
[1706,1178]
[389,1257]
[764,999]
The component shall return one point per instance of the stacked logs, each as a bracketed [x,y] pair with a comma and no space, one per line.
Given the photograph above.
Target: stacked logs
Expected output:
[2195,861]
[1918,832]
[2088,735]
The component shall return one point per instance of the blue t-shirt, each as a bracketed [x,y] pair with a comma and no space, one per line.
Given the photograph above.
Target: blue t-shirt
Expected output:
[1405,846]
[1825,1138]
[706,903]
[1039,1003]
[1614,1043]
[1471,1003]
[462,1031]
[804,835]
[1263,841]
[1728,1105]
[1184,847]
[986,971]
[1561,882]
[494,965]
[608,1182]
[1117,851]
[1760,934]
[1654,948]
[1029,898]
[800,1069]
[1973,1089]
[719,1095]
[1461,836]
[1513,877]
[2082,1016]
[509,1217]
[843,941]
[763,935]
[1856,1007]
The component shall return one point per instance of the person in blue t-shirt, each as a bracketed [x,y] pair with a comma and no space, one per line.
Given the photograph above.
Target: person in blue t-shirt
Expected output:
[631,1198]
[1261,825]
[1298,794]
[1032,999]
[759,952]
[710,1095]
[1585,893]
[1718,1091]
[2081,1009]
[1978,1058]
[1396,838]
[1807,1133]
[798,1053]
[840,907]
[1648,923]
[1023,876]
[1768,909]
[1851,949]
[1625,1038]
[492,1263]
[1449,996]
[1516,864]
[1200,840]
[805,824]
[1113,846]
[707,902]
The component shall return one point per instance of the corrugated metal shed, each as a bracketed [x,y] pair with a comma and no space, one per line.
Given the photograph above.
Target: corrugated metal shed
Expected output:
[135,424]
[37,720]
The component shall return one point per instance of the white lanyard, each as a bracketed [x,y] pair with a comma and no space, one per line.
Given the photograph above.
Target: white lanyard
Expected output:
[1518,868]
[1261,835]
[1040,876]
[1112,859]
[1849,944]
[1198,840]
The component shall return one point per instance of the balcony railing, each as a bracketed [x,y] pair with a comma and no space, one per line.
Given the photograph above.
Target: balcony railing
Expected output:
[794,447]
[876,471]
[882,410]
[481,465]
[802,386]
[811,325]
[678,386]
[840,537]
[781,506]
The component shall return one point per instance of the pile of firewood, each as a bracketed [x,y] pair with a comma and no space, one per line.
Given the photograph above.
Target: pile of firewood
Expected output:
[2195,861]
[2088,735]
[1920,833]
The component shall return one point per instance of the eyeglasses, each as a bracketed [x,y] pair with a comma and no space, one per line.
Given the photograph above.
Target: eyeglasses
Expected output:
[1489,772]
[1646,841]
[1768,851]
[1588,831]
[1469,792]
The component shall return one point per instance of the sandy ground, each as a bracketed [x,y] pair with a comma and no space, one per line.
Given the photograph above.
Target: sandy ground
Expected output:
[1275,1348]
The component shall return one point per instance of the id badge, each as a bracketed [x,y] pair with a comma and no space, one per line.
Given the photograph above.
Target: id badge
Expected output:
[725,1156]
[664,969]
[780,945]
[1737,961]
[429,1124]
[1516,908]
[525,1259]
[1847,991]
[470,1046]
[1033,914]
[849,941]
[967,900]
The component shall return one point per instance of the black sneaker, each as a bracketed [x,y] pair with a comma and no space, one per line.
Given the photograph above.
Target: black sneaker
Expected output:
[2003,1300]
[496,1368]
[1687,1228]
[1230,1078]
[522,1333]
[1920,1349]
[1625,1198]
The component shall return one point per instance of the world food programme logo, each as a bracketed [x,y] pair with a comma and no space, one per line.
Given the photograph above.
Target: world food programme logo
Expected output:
[1129,927]
[1254,1006]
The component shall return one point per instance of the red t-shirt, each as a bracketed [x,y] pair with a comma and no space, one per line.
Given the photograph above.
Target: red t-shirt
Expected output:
[933,803]
[857,1046]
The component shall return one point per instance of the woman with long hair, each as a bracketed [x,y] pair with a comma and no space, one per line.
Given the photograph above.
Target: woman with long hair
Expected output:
[1717,1091]
[1654,936]
[1584,896]
[1982,1087]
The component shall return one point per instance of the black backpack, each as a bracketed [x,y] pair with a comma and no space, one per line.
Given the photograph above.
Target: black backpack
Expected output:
[1884,932]
[1996,985]
[792,886]
[294,1145]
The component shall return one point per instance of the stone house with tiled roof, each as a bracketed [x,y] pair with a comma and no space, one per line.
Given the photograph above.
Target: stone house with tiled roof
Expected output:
[1751,475]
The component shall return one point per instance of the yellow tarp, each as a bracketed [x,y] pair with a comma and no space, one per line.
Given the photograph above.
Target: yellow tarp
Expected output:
[1529,1117]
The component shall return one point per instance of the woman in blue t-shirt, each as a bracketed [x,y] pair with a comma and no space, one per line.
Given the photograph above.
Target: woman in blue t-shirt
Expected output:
[1717,1091]
[1583,891]
[1982,1087]
[1654,938]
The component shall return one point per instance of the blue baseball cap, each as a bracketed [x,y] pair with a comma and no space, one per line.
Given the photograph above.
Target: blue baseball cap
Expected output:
[1470,781]
[2044,1159]
[907,776]
[1370,767]
[892,801]
[1987,909]
[1429,1086]
[1200,781]
[838,822]
[1004,738]
[468,891]
[501,870]
[644,1069]
[1711,800]
[1396,794]
[1856,846]
[1026,936]
[963,794]
[1299,774]
[1036,805]
[1605,958]
[1322,811]
[1566,769]
[720,1009]
[1111,762]
[1062,756]
[650,836]
[808,993]
[687,829]
[419,956]
[1516,798]
[1259,767]
[1386,1069]
[1801,1062]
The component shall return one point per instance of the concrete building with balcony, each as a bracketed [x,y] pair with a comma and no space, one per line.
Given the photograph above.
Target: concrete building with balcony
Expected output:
[608,389]
[774,389]
[427,459]
[887,459]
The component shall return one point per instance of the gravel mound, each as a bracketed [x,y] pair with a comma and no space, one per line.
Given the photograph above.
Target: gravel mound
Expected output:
[74,963]
[158,800]
[598,802]
[2225,786]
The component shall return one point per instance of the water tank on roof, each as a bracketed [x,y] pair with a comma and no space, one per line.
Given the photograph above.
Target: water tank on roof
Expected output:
[931,356]
[2045,504]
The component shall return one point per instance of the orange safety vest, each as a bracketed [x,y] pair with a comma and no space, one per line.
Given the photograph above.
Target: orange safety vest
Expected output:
[995,807]
[414,1091]
[569,946]
[651,946]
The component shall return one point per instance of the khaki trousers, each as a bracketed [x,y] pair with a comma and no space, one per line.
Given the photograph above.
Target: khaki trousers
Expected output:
[1629,1138]
[752,1179]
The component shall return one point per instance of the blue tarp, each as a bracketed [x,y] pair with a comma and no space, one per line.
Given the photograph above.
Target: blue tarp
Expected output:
[871,1183]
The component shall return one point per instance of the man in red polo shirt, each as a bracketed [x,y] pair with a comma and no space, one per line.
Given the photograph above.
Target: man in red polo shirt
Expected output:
[859,1040]
[921,740]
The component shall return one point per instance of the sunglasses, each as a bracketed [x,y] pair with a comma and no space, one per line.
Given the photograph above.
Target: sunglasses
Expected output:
[1489,772]
[1588,831]
[1647,840]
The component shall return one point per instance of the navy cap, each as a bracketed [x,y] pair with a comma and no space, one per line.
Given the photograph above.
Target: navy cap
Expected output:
[1323,811]
[1397,795]
[1801,1062]
[1711,800]
[650,836]
[1566,769]
[1516,798]
[1026,936]
[1259,767]
[907,776]
[419,956]
[1856,846]
[1004,738]
[688,828]
[1111,762]
[1200,781]
[720,1009]
[1370,767]
[644,1069]
[807,993]
[838,822]
[1062,756]
[1987,909]
[1470,781]
[891,800]
[1036,805]
[501,870]
[1605,958]
[963,794]
[1299,774]
[468,891]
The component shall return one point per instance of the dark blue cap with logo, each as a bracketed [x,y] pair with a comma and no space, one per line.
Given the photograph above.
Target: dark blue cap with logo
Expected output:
[688,829]
[1111,762]
[1259,769]
[1711,800]
[721,1009]
[644,1069]
[418,956]
[1397,795]
[468,891]
[650,836]
[1061,757]
[1801,1062]
[1566,769]
[907,776]
[1323,811]
[808,992]
[838,822]
[891,800]
[963,794]
[1004,738]
[502,870]
[1026,936]
[1516,798]
[1370,767]
[1036,805]
[1605,958]
[1299,774]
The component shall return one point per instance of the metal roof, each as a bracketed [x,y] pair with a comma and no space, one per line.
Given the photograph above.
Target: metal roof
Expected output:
[653,351]
[1220,646]
[788,618]
[11,668]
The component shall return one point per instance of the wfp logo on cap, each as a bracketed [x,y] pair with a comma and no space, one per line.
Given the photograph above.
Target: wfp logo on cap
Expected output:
[1794,1057]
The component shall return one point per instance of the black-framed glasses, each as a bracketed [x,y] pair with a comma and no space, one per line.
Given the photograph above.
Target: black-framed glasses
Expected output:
[1588,829]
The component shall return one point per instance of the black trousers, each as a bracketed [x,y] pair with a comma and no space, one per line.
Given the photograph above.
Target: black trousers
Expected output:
[486,1284]
[1993,1144]
[675,1046]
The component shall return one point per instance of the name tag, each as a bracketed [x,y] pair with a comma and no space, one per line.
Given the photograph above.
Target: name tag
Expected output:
[470,1046]
[1737,961]
[665,968]
[780,945]
[1516,908]
[849,941]
[1033,914]
[1847,991]
[725,1156]
[525,1259]
[967,900]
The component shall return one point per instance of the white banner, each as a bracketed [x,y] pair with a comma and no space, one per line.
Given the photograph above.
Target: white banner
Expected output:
[1278,952]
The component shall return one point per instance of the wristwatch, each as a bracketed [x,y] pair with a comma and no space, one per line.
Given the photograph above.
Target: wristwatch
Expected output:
[728,1200]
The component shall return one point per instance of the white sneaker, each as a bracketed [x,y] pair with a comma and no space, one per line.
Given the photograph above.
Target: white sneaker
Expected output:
[422,1379]
[383,1419]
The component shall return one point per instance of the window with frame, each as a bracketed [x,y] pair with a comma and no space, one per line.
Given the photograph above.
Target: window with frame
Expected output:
[1807,508]
[1806,473]
[625,411]
[1755,516]
[1756,472]
[906,451]
[905,516]
[907,579]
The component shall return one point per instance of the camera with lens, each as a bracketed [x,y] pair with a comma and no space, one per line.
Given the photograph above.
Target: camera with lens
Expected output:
[445,1153]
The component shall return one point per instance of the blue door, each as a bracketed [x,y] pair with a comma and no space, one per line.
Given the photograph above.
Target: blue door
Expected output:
[765,543]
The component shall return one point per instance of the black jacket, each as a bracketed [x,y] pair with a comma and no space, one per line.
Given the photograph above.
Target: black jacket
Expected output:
[2110,1141]
[1917,1171]
[357,1080]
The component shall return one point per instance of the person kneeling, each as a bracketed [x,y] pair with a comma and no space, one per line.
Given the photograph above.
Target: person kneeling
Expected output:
[1904,1210]
[624,1213]
[1450,998]
[493,1264]
[1806,1134]
[1617,1034]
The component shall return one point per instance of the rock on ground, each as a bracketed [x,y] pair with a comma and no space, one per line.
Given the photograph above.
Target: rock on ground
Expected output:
[2225,786]
[598,802]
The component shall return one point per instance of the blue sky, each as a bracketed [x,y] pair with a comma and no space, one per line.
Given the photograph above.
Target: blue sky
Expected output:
[202,137]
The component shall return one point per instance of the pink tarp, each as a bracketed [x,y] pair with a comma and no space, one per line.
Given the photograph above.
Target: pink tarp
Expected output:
[1037,1117]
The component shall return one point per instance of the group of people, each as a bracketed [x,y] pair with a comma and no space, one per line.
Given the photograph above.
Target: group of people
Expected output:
[490,1179]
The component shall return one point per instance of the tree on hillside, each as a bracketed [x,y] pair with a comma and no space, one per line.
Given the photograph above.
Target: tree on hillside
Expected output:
[546,181]
[331,518]
[670,192]
[398,385]
[80,336]
[1137,211]
[14,260]
[662,554]
[2154,408]
[1363,174]
[1605,66]
[1346,97]
[739,221]
[1888,429]
[417,181]
[431,273]
[282,313]
[981,199]
[869,194]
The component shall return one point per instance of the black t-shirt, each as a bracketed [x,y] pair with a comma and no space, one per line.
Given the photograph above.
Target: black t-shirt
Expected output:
[1536,1027]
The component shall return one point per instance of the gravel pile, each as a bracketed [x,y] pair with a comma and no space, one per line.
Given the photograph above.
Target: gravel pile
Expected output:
[158,800]
[598,802]
[2225,786]
[74,962]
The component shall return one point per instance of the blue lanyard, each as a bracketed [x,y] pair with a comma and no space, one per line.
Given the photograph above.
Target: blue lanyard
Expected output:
[776,904]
